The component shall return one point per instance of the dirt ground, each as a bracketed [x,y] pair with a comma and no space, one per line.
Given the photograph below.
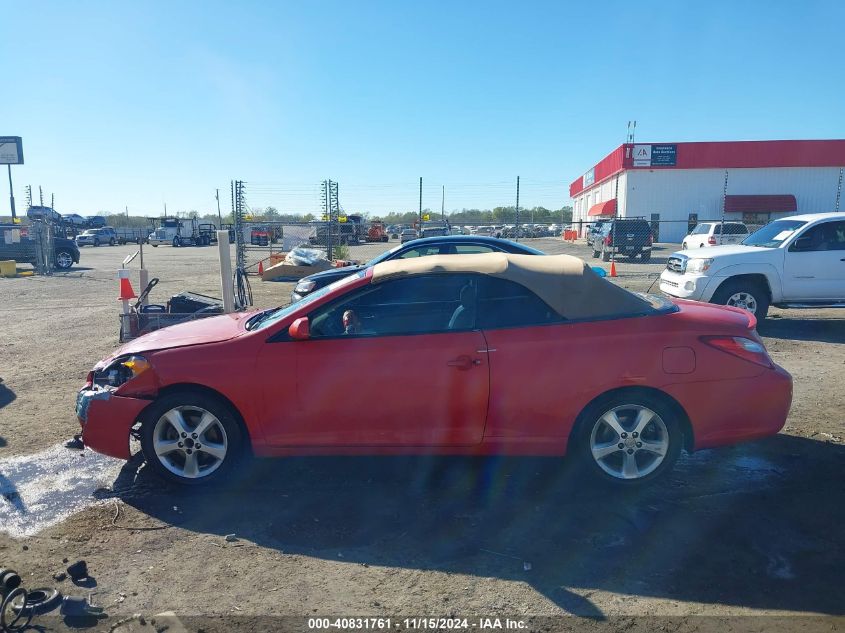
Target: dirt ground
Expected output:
[753,529]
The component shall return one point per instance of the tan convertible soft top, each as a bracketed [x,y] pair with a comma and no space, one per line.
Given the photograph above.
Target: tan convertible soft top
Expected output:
[566,283]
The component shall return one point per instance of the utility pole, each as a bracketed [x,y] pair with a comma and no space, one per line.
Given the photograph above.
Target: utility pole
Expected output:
[724,202]
[443,204]
[12,196]
[518,227]
[41,195]
[420,232]
[219,215]
[28,196]
[126,207]
[52,201]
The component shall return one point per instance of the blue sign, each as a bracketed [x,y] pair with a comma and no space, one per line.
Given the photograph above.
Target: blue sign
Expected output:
[11,150]
[664,155]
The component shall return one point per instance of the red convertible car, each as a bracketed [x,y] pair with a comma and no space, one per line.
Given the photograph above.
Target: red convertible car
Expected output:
[479,354]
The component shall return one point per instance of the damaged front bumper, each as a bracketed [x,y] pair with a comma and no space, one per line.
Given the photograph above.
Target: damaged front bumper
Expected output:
[107,419]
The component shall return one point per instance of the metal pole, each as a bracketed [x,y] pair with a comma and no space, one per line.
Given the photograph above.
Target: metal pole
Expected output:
[518,227]
[227,286]
[219,215]
[443,204]
[41,195]
[11,196]
[724,199]
[328,189]
[838,192]
[421,226]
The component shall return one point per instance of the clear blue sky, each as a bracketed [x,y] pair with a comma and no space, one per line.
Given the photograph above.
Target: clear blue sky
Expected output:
[137,103]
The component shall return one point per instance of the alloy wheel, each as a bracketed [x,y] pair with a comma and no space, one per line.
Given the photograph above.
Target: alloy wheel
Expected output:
[190,442]
[629,441]
[743,300]
[64,260]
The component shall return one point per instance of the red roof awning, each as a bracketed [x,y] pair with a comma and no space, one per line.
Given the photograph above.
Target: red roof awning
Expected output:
[760,204]
[603,208]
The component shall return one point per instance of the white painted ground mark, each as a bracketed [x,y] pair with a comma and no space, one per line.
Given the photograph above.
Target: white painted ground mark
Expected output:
[39,490]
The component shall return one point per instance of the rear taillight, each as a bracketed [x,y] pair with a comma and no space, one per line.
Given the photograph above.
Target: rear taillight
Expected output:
[744,348]
[711,240]
[607,241]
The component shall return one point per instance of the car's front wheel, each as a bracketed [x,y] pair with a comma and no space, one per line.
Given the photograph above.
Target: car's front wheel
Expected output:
[64,260]
[112,242]
[746,295]
[628,439]
[191,438]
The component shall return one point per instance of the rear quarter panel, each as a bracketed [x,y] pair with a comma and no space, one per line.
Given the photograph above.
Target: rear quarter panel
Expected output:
[543,377]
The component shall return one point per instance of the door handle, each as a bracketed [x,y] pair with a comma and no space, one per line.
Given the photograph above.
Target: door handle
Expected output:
[461,362]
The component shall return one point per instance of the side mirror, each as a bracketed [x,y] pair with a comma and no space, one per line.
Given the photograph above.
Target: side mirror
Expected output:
[802,244]
[300,330]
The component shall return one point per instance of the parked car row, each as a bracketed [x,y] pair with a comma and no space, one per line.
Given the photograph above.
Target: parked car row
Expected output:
[70,219]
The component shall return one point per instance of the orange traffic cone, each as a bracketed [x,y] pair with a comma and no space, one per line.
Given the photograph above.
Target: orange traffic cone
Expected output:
[261,267]
[126,292]
[613,269]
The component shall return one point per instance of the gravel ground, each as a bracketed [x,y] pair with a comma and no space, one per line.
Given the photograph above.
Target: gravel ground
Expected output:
[753,529]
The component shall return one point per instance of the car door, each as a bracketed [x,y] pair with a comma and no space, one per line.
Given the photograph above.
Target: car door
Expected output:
[528,346]
[390,365]
[814,264]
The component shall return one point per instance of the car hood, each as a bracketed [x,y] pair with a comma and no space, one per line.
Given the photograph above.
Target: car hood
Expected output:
[747,253]
[207,330]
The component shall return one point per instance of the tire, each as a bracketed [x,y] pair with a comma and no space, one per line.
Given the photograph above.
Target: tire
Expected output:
[176,242]
[111,242]
[646,256]
[747,295]
[187,411]
[605,255]
[63,259]
[384,239]
[154,245]
[597,441]
[96,242]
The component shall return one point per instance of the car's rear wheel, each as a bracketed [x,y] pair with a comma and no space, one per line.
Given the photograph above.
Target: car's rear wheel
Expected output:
[64,260]
[605,255]
[629,439]
[191,438]
[746,295]
[176,242]
[96,242]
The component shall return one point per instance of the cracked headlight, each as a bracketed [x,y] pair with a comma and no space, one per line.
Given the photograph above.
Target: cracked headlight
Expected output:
[121,370]
[699,265]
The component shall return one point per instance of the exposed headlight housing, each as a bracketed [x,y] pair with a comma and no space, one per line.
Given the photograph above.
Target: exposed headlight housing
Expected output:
[699,265]
[121,370]
[305,286]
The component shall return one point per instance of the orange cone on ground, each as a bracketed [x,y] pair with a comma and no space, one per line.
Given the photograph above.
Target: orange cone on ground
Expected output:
[261,268]
[126,292]
[613,269]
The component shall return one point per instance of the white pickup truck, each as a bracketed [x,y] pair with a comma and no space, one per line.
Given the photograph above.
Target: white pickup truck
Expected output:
[794,262]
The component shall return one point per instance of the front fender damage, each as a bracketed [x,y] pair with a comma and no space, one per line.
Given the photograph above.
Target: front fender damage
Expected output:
[107,419]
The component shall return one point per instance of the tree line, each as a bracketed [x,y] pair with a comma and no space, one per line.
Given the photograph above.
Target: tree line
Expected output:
[497,215]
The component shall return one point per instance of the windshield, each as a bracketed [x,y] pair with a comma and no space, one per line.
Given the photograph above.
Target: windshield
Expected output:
[773,234]
[267,318]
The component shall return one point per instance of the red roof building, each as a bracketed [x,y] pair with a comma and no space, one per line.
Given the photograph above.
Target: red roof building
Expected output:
[676,185]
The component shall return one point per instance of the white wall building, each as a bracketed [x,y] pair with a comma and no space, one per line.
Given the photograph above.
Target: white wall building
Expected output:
[676,185]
